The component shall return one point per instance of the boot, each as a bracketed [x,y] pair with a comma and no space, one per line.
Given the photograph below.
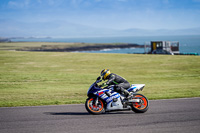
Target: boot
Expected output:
[127,94]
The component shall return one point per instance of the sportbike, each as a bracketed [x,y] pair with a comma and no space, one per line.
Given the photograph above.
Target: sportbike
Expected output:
[101,100]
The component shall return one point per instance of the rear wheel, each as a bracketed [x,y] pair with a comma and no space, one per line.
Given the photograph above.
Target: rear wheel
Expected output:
[142,106]
[94,109]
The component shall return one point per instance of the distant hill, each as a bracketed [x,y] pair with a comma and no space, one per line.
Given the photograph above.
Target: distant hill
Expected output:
[142,32]
[11,28]
[4,39]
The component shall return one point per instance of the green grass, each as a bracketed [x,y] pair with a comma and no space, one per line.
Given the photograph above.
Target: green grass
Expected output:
[44,78]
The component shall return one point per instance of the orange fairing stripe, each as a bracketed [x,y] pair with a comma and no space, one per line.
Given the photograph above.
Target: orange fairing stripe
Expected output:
[100,109]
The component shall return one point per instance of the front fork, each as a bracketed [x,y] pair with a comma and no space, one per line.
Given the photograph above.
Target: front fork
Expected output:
[95,101]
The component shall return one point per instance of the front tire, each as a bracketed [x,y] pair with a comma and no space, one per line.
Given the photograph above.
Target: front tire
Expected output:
[92,108]
[142,106]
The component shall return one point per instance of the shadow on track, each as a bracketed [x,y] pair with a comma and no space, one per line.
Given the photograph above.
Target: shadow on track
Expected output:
[66,113]
[85,113]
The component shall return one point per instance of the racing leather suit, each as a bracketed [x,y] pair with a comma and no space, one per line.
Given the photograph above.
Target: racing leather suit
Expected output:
[121,84]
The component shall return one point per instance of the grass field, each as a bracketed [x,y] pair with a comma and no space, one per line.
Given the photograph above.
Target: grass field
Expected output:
[45,78]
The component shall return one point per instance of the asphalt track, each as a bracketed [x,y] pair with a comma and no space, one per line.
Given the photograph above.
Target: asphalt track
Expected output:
[176,115]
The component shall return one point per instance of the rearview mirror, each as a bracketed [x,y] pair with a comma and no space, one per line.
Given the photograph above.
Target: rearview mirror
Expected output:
[99,78]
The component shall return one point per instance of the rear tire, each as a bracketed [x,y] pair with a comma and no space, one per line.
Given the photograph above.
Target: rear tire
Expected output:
[142,106]
[92,109]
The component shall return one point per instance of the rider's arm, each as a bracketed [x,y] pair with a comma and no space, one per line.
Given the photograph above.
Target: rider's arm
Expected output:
[111,79]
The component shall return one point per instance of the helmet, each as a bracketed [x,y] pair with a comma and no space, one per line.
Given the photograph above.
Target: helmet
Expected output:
[105,73]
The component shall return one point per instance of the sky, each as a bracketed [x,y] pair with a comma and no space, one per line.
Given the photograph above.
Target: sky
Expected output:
[80,17]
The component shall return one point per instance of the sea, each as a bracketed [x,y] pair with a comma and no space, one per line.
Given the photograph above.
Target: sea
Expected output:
[187,43]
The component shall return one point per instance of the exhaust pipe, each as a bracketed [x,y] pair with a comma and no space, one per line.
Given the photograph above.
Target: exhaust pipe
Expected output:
[134,100]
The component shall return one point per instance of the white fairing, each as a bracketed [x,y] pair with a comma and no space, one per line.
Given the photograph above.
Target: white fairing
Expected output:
[118,105]
[136,87]
[114,105]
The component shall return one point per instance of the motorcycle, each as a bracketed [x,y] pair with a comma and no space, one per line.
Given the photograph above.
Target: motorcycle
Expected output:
[101,100]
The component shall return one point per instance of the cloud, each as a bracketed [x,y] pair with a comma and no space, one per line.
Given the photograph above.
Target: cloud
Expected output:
[122,0]
[21,4]
[109,14]
[196,0]
[51,2]
[166,1]
[76,3]
[39,1]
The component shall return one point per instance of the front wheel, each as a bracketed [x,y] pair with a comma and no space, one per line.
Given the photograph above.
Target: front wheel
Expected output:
[94,109]
[142,106]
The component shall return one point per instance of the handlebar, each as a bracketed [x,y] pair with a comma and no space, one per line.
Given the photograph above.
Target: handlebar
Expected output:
[109,87]
[98,81]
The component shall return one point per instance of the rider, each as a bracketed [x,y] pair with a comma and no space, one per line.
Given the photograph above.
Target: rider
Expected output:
[121,84]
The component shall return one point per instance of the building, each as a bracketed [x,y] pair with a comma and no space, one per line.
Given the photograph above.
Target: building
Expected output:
[164,47]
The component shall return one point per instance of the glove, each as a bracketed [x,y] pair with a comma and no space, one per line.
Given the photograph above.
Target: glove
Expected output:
[104,84]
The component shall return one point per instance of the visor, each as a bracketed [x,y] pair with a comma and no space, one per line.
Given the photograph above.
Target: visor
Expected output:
[103,73]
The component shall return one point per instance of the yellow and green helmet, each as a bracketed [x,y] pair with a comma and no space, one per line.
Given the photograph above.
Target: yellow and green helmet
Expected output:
[105,73]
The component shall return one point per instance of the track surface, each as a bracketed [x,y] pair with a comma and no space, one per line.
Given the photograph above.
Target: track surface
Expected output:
[177,115]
